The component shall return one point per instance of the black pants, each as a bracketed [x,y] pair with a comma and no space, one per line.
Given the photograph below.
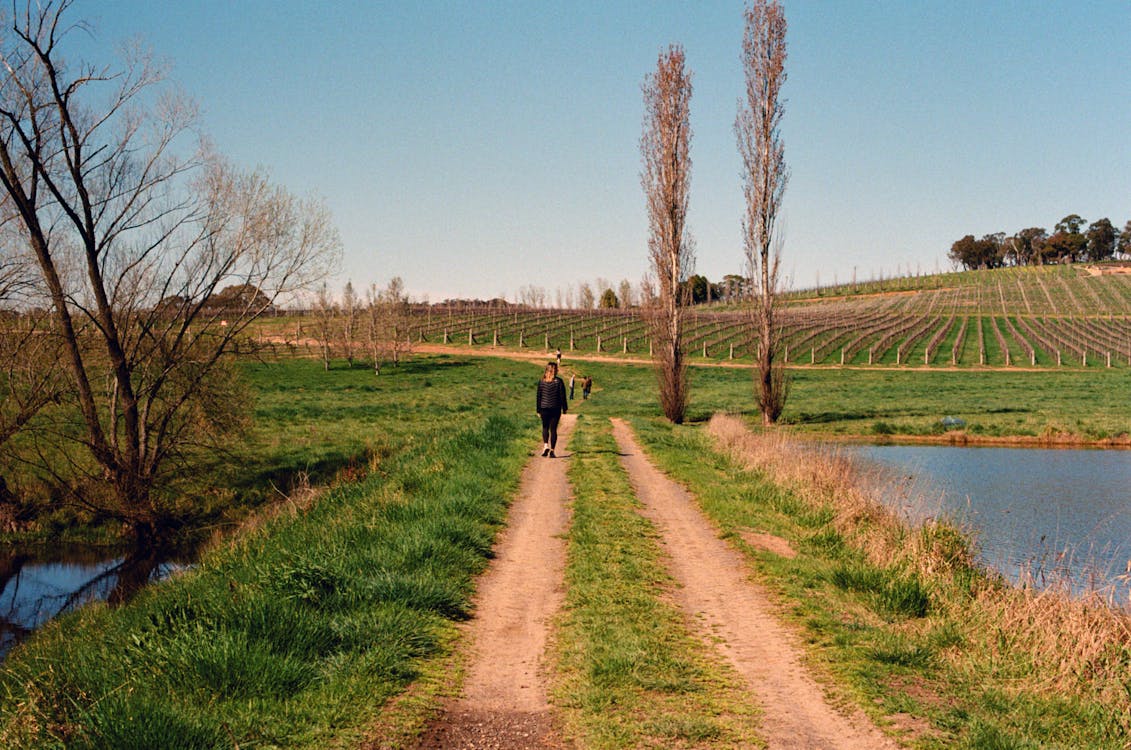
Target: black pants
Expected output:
[550,418]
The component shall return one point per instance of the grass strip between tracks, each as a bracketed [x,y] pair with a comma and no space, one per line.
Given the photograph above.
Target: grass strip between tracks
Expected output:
[629,673]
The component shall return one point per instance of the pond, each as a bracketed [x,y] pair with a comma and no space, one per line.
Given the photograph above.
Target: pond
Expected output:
[37,585]
[1038,514]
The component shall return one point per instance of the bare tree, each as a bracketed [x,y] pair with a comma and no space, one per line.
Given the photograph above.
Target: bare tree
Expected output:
[625,293]
[665,149]
[135,227]
[350,313]
[647,290]
[758,128]
[30,372]
[586,297]
[388,323]
[325,321]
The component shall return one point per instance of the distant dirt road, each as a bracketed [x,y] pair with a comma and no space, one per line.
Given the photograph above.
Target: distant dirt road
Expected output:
[504,703]
[731,611]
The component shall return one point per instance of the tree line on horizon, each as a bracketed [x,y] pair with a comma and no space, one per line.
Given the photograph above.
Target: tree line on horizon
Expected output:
[1070,242]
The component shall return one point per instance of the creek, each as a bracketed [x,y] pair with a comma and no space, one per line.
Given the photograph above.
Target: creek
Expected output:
[1039,516]
[37,585]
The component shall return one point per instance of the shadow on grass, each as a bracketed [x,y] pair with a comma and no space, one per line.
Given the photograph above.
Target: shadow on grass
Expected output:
[286,477]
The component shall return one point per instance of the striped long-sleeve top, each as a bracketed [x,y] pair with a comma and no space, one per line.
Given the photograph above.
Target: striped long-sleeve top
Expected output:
[551,396]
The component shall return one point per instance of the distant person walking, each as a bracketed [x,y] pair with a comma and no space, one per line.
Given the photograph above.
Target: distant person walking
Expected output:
[551,404]
[571,377]
[558,356]
[586,386]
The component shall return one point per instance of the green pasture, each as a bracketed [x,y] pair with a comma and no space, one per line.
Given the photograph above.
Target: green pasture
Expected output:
[886,403]
[295,630]
[305,624]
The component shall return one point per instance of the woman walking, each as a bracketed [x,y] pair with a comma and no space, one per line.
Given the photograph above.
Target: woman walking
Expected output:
[551,404]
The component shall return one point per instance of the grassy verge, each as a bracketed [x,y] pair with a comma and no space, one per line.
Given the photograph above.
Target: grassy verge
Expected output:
[828,402]
[296,633]
[629,673]
[900,618]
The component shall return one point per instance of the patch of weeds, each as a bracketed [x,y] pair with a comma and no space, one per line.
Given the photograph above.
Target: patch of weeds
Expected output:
[896,651]
[815,518]
[132,720]
[688,729]
[857,577]
[304,581]
[947,635]
[905,597]
[829,542]
[985,736]
[897,596]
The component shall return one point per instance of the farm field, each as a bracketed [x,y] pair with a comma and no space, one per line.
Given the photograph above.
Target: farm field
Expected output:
[1068,317]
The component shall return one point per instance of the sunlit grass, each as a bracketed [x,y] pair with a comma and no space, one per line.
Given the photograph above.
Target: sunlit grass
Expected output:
[899,617]
[629,674]
[297,630]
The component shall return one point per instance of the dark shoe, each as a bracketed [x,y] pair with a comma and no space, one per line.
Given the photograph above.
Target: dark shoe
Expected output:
[552,453]
[546,452]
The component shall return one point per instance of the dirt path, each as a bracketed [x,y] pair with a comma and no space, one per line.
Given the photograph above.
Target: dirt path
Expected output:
[731,610]
[504,702]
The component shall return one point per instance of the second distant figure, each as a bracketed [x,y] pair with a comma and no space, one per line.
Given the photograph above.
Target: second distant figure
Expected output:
[551,404]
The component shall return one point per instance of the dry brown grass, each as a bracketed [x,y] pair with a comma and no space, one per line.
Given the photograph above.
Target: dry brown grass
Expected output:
[1034,639]
[824,475]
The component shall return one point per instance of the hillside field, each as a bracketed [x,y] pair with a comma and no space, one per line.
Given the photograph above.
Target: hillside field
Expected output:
[1073,317]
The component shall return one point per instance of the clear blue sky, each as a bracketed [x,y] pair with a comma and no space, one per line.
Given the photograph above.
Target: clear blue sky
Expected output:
[473,148]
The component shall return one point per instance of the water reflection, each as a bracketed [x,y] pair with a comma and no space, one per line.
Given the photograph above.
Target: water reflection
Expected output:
[36,586]
[1039,514]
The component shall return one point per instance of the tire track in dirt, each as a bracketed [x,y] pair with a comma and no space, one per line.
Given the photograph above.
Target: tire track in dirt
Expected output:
[731,611]
[504,702]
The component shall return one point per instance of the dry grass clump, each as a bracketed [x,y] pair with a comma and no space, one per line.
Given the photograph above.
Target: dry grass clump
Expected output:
[1082,645]
[826,477]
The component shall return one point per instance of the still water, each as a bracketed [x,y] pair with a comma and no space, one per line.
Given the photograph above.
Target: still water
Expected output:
[35,588]
[1036,513]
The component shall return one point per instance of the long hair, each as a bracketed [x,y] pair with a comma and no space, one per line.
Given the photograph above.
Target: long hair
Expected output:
[550,372]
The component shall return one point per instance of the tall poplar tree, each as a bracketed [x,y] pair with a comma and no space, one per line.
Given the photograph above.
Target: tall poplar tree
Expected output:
[666,177]
[758,128]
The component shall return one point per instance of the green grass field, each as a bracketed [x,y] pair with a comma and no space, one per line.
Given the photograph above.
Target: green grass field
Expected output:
[298,629]
[305,628]
[1085,405]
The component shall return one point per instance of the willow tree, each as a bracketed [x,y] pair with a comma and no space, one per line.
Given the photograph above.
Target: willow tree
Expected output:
[665,150]
[764,176]
[136,229]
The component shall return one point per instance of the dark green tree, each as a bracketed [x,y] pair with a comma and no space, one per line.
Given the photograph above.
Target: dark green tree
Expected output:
[698,289]
[1071,224]
[609,300]
[1067,243]
[1101,240]
[988,252]
[1023,248]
